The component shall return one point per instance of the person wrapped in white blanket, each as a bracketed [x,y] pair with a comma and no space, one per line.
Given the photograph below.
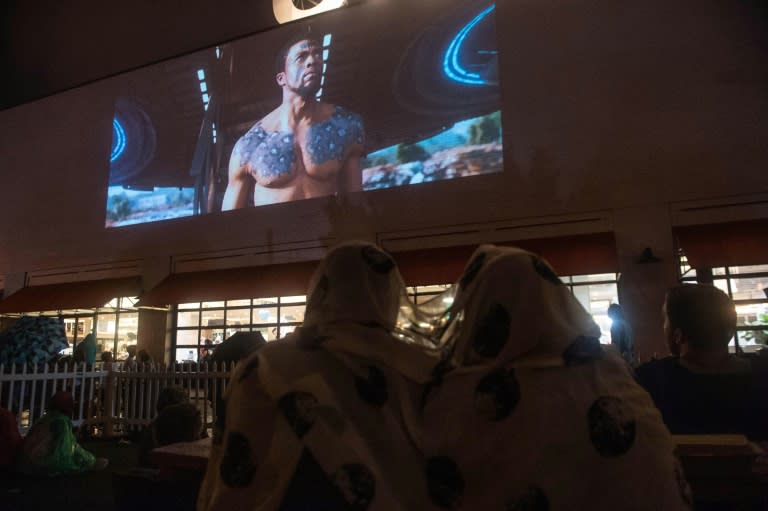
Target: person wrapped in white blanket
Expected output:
[515,406]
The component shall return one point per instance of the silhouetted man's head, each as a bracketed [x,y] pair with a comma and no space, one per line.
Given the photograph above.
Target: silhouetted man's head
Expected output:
[698,317]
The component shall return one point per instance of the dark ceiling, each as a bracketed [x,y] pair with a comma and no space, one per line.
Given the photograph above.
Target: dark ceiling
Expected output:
[48,46]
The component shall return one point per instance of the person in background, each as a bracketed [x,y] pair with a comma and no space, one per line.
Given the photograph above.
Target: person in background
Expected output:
[621,333]
[131,350]
[177,423]
[85,351]
[50,447]
[107,358]
[10,440]
[143,357]
[168,396]
[206,350]
[702,388]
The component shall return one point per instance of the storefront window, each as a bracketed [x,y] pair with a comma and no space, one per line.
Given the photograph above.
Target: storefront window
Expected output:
[212,322]
[748,287]
[115,325]
[278,316]
[596,292]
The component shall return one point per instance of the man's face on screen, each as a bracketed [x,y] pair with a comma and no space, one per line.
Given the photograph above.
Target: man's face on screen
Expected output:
[303,68]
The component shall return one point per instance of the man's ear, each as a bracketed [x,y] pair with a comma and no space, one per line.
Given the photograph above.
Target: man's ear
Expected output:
[280,78]
[678,337]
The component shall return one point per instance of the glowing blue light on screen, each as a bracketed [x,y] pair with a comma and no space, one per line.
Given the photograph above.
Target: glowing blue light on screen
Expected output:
[201,74]
[118,140]
[451,65]
[326,54]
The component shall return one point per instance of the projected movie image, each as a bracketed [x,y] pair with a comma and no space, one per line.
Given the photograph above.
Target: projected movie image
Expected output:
[310,109]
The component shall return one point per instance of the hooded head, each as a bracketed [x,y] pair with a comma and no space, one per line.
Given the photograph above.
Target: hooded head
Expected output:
[510,304]
[357,282]
[62,402]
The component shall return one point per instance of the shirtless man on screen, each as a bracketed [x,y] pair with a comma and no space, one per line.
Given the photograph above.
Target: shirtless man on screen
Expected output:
[304,148]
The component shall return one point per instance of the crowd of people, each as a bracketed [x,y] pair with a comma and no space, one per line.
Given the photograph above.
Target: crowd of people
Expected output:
[503,396]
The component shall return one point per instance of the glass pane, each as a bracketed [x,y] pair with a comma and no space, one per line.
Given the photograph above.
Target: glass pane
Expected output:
[265,301]
[265,315]
[239,303]
[127,330]
[751,288]
[112,303]
[757,268]
[293,299]
[195,305]
[70,327]
[755,338]
[437,288]
[186,336]
[212,318]
[422,298]
[595,277]
[294,314]
[721,284]
[596,298]
[238,317]
[231,330]
[189,318]
[105,324]
[186,354]
[128,302]
[604,322]
[212,305]
[718,271]
[270,334]
[216,335]
[286,329]
[752,314]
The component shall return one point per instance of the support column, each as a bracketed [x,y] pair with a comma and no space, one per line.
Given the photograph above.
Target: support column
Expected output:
[153,324]
[643,283]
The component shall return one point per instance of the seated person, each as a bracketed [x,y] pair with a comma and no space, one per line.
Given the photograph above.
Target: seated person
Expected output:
[10,439]
[50,447]
[177,423]
[702,388]
[143,357]
[517,407]
[168,396]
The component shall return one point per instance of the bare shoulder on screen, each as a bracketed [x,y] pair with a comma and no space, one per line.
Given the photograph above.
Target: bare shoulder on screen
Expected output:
[337,133]
[267,155]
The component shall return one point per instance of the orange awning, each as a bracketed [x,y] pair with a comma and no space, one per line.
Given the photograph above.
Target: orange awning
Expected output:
[87,294]
[231,284]
[568,255]
[724,244]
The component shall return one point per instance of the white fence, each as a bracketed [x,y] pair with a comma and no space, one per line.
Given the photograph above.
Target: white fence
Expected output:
[116,399]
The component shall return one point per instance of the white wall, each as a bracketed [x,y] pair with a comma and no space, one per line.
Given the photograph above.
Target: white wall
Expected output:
[625,109]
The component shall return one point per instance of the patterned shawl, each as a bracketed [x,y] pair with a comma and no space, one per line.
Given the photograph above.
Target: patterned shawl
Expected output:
[520,408]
